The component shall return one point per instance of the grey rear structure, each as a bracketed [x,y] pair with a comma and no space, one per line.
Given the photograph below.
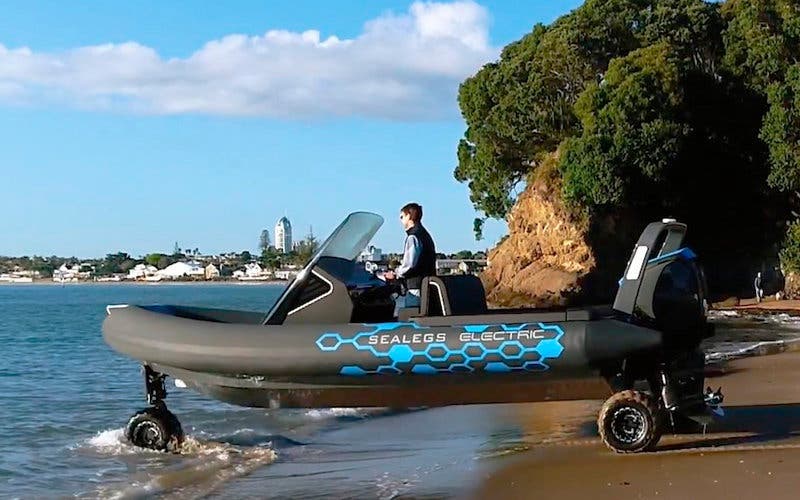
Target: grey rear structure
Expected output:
[331,340]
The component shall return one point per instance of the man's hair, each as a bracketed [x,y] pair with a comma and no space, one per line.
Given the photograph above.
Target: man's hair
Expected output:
[413,210]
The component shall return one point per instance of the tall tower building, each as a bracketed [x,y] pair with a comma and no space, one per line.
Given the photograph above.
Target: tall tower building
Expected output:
[283,235]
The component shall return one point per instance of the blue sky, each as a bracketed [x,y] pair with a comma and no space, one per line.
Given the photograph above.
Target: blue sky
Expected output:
[133,126]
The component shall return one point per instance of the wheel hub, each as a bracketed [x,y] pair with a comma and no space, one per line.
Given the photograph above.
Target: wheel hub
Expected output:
[148,433]
[628,425]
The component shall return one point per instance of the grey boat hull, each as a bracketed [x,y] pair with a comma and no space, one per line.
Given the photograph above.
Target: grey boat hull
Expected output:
[471,359]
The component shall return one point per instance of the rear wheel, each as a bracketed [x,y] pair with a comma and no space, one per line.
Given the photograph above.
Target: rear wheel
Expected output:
[630,422]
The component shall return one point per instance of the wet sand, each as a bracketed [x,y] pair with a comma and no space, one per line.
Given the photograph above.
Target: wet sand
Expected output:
[767,306]
[754,450]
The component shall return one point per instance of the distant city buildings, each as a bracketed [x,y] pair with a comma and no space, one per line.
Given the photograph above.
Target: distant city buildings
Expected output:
[371,254]
[283,235]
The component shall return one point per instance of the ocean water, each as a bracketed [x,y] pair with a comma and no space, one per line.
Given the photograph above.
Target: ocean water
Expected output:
[65,397]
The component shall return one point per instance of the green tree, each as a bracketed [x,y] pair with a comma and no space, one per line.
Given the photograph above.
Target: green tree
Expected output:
[44,266]
[305,250]
[762,39]
[464,254]
[632,131]
[127,265]
[762,43]
[790,252]
[520,108]
[639,109]
[113,263]
[153,259]
[165,261]
[781,131]
[270,258]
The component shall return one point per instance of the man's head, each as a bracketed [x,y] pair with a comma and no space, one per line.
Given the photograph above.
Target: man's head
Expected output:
[410,215]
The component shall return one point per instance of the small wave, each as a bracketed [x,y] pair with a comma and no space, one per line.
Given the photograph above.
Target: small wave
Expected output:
[737,350]
[723,313]
[320,414]
[390,487]
[110,442]
[202,467]
[782,318]
[217,464]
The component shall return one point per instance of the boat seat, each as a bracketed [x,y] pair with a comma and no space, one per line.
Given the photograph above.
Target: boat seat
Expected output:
[456,295]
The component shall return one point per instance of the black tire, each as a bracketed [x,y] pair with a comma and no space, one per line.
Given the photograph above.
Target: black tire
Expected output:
[155,428]
[630,422]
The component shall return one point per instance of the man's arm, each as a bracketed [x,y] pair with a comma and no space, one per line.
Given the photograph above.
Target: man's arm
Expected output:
[410,256]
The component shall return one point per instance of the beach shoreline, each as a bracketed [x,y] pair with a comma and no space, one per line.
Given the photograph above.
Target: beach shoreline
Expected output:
[148,283]
[753,450]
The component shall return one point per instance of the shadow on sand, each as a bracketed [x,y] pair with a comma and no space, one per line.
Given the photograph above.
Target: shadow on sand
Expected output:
[761,424]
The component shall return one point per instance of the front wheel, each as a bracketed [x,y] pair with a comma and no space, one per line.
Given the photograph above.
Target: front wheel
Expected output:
[155,428]
[630,422]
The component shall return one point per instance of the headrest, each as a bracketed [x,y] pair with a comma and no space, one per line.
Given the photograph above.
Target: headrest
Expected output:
[455,295]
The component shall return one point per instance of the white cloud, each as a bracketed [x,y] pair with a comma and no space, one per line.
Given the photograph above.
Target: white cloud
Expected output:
[400,67]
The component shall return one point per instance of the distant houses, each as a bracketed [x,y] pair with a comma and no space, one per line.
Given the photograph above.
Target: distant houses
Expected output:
[371,254]
[141,272]
[252,272]
[191,269]
[460,266]
[211,272]
[75,272]
[19,276]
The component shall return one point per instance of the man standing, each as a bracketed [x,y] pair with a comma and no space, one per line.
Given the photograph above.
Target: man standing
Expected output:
[419,256]
[757,285]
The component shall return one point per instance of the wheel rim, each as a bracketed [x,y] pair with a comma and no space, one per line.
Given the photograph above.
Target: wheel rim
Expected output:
[628,425]
[148,434]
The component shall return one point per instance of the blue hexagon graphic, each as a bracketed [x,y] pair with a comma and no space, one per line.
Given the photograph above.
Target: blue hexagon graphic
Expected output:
[474,345]
[325,338]
[401,353]
[512,343]
[550,348]
[535,366]
[495,367]
[352,370]
[388,370]
[443,357]
[461,368]
[424,369]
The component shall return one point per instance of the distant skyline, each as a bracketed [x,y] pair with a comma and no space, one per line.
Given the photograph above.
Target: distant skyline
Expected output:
[132,126]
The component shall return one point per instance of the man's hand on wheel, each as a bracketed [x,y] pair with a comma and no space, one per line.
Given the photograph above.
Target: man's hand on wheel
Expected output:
[389,275]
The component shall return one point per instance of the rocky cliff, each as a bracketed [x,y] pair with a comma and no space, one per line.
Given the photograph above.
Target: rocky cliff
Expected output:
[543,258]
[550,257]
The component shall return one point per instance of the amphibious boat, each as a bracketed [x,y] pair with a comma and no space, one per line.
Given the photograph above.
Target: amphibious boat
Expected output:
[331,340]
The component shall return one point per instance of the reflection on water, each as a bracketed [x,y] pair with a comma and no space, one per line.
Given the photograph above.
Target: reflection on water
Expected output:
[68,395]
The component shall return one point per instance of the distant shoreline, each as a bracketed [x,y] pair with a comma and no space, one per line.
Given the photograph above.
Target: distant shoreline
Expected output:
[148,283]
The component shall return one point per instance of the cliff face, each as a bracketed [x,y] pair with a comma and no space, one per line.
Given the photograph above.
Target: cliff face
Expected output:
[545,258]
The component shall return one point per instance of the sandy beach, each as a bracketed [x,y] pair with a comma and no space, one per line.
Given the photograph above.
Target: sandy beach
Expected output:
[753,451]
[767,306]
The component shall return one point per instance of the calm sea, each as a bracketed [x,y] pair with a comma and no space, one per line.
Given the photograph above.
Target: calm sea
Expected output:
[65,397]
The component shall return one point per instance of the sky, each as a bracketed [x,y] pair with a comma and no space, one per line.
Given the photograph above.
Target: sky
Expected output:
[133,126]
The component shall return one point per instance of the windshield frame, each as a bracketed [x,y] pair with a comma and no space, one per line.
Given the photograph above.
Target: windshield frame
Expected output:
[340,244]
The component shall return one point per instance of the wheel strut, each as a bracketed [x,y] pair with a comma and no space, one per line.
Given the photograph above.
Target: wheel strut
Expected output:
[155,427]
[154,386]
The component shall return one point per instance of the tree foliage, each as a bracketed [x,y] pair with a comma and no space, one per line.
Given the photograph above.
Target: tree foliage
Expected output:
[651,105]
[790,251]
[632,130]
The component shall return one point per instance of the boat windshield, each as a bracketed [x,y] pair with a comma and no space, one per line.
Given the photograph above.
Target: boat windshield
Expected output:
[345,242]
[350,238]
